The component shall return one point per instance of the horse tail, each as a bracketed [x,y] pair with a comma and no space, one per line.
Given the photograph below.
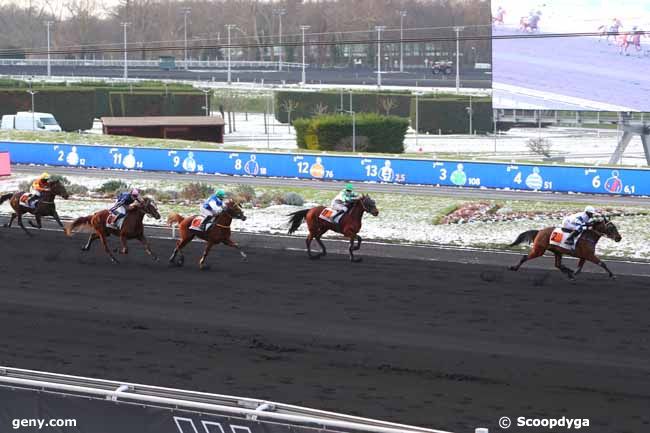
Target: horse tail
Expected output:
[528,236]
[296,219]
[174,218]
[5,197]
[81,221]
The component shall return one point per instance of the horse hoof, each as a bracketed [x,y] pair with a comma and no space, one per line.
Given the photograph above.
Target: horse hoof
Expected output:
[84,249]
[316,257]
[356,260]
[155,259]
[204,267]
[613,277]
[513,268]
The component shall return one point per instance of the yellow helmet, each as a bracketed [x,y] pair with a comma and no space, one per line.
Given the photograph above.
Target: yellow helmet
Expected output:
[45,175]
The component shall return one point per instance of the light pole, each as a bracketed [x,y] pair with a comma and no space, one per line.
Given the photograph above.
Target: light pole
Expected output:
[470,112]
[207,109]
[280,12]
[379,29]
[304,77]
[49,61]
[402,15]
[32,92]
[417,118]
[458,30]
[126,71]
[186,11]
[229,26]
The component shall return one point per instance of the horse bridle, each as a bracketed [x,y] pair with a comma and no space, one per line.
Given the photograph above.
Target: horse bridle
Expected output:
[603,234]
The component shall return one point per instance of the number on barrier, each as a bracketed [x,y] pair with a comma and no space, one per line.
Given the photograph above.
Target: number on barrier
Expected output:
[238,164]
[517,178]
[595,182]
[61,155]
[443,174]
[177,161]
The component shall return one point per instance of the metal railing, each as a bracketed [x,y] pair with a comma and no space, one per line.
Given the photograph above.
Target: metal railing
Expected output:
[144,395]
[216,64]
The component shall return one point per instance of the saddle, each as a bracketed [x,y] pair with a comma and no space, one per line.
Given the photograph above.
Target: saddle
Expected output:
[559,237]
[25,201]
[328,214]
[114,221]
[198,221]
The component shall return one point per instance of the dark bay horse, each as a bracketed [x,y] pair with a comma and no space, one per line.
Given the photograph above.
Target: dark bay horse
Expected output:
[44,207]
[132,227]
[218,233]
[584,250]
[349,226]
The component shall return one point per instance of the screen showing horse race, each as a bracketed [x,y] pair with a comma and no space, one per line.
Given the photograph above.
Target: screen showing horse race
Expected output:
[605,70]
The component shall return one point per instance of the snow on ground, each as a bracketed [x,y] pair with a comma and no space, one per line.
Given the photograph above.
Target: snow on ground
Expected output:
[402,218]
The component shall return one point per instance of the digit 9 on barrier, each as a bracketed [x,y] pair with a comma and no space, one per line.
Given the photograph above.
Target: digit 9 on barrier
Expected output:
[462,174]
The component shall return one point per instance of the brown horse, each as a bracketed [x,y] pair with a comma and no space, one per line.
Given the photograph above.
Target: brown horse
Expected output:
[349,226]
[584,250]
[132,227]
[218,233]
[44,207]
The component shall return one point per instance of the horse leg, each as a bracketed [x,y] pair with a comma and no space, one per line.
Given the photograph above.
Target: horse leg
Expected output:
[310,237]
[55,215]
[561,267]
[358,247]
[595,260]
[102,237]
[351,249]
[206,251]
[322,246]
[233,244]
[581,263]
[179,246]
[22,226]
[91,239]
[11,219]
[534,253]
[147,247]
[125,248]
[38,224]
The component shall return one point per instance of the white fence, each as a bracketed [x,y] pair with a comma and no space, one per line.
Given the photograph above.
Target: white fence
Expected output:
[212,64]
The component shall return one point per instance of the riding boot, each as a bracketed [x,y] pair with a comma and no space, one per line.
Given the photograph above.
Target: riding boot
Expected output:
[571,239]
[205,222]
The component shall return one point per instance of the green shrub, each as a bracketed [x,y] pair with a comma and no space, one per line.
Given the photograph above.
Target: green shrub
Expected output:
[374,133]
[242,193]
[293,199]
[196,191]
[113,187]
[450,116]
[76,189]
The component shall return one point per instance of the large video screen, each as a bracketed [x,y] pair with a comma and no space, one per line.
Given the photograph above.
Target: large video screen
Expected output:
[596,72]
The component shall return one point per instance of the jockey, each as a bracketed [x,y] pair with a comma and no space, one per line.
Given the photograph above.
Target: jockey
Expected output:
[123,201]
[212,207]
[343,200]
[578,222]
[39,186]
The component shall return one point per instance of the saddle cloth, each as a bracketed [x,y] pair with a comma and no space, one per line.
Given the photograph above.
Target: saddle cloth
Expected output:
[328,213]
[111,222]
[197,221]
[559,237]
[24,201]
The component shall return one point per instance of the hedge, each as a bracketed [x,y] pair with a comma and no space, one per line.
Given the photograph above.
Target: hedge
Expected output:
[310,104]
[156,104]
[450,116]
[103,98]
[374,133]
[72,108]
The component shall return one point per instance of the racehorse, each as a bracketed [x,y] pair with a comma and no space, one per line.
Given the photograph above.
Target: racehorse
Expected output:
[584,249]
[498,18]
[44,207]
[218,233]
[132,227]
[525,25]
[623,42]
[349,225]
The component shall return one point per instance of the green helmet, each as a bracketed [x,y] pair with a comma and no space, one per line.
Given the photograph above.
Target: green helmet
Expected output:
[220,193]
[349,187]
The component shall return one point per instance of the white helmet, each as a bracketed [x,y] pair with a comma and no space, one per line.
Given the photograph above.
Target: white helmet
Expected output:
[590,210]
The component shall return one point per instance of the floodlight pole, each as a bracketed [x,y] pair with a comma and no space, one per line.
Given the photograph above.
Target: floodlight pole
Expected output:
[49,60]
[304,75]
[379,29]
[402,15]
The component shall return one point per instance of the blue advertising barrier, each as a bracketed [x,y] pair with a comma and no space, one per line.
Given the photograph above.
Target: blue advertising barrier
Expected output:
[593,180]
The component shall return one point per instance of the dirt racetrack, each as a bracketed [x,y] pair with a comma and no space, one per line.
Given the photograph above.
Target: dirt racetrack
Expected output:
[435,344]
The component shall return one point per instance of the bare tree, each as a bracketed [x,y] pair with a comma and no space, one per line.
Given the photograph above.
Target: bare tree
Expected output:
[289,106]
[320,109]
[387,104]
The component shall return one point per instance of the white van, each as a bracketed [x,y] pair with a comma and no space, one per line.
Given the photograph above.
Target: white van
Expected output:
[28,121]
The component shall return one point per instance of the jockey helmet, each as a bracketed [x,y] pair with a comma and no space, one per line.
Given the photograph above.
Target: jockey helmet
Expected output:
[589,210]
[45,176]
[220,193]
[135,192]
[349,187]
